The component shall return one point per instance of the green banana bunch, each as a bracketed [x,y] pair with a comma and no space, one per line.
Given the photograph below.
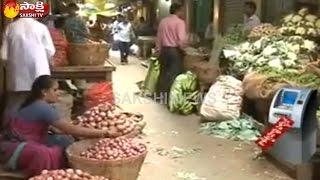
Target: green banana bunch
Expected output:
[184,94]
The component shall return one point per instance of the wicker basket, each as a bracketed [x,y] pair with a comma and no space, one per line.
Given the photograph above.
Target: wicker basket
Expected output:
[88,54]
[126,169]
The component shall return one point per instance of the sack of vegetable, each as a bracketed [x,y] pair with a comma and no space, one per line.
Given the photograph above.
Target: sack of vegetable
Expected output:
[206,74]
[223,101]
[150,83]
[257,86]
[193,57]
[183,94]
[99,93]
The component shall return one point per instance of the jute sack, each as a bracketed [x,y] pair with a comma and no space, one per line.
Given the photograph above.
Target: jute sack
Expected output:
[260,90]
[191,60]
[257,86]
[64,105]
[313,68]
[206,73]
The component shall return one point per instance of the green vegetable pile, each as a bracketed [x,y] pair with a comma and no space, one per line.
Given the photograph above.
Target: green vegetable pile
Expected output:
[301,79]
[234,36]
[302,23]
[279,52]
[238,129]
[183,94]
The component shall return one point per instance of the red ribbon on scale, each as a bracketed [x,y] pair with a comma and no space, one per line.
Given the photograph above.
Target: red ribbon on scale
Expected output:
[269,137]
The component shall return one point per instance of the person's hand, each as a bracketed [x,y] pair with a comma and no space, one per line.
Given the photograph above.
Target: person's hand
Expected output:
[112,132]
[133,134]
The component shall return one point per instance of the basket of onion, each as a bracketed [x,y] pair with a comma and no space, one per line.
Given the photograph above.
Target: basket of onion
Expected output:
[120,158]
[107,116]
[68,174]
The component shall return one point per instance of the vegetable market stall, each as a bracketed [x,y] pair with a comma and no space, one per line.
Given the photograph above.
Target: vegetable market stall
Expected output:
[94,73]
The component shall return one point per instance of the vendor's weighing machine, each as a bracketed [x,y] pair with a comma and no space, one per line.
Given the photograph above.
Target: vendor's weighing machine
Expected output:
[298,145]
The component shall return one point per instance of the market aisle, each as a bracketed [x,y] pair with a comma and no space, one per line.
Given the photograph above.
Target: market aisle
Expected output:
[205,157]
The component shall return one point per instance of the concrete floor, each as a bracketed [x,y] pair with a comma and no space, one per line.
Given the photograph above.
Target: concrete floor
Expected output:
[216,159]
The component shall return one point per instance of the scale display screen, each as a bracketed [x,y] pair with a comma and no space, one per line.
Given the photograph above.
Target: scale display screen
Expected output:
[289,97]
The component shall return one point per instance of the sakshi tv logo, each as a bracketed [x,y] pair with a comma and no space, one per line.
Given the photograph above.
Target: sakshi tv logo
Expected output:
[14,9]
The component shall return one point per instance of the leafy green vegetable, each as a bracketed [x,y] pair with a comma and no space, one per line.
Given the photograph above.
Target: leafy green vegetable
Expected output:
[238,129]
[235,35]
[305,79]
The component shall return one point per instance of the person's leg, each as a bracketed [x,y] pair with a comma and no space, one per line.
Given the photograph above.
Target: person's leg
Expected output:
[121,48]
[163,76]
[62,141]
[127,51]
[174,68]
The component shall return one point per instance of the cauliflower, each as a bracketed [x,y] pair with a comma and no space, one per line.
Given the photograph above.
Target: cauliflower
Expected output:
[275,63]
[312,32]
[303,11]
[296,19]
[269,51]
[310,24]
[300,31]
[261,61]
[292,56]
[289,63]
[311,18]
[288,18]
[317,23]
[309,45]
[244,47]
[291,29]
[294,48]
[258,44]
[283,30]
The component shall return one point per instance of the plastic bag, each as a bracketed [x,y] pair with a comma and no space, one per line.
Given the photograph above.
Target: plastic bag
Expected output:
[223,101]
[99,93]
[151,81]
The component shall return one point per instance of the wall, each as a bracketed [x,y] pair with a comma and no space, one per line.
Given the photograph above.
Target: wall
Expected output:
[163,8]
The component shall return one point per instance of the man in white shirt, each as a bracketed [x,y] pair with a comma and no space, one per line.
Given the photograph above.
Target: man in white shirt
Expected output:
[115,32]
[26,50]
[251,20]
[125,33]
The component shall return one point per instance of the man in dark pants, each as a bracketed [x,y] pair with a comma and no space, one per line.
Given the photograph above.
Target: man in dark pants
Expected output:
[125,33]
[171,40]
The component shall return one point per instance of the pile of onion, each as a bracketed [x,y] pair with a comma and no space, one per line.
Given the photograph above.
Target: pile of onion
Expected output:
[106,116]
[69,174]
[114,149]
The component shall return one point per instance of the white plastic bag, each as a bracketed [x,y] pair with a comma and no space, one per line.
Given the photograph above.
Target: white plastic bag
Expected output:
[223,101]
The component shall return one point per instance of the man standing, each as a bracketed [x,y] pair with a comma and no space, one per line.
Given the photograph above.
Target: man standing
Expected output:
[115,32]
[251,20]
[125,35]
[171,40]
[75,28]
[26,50]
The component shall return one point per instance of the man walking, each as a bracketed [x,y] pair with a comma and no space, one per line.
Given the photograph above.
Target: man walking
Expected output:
[171,40]
[26,50]
[125,35]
